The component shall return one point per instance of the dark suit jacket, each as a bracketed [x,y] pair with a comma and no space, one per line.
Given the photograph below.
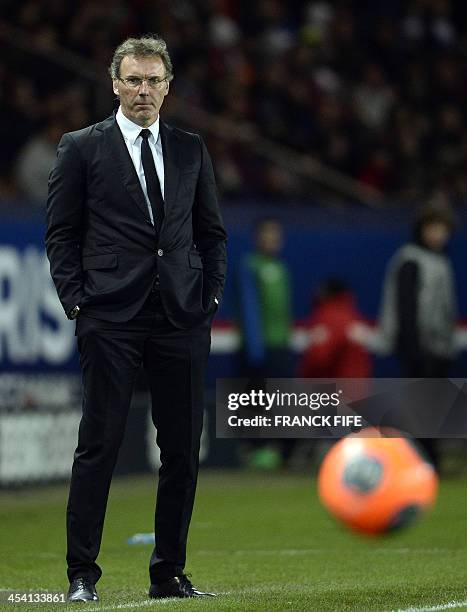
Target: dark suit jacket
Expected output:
[102,247]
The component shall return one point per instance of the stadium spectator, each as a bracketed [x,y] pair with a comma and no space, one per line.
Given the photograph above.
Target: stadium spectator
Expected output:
[331,353]
[265,304]
[373,99]
[35,162]
[264,294]
[419,310]
[419,305]
[375,90]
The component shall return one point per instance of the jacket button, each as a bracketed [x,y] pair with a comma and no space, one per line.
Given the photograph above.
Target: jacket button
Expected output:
[160,252]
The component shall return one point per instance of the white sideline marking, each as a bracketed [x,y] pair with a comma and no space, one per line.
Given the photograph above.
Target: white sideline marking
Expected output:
[451,605]
[137,604]
[318,551]
[131,605]
[168,601]
[447,606]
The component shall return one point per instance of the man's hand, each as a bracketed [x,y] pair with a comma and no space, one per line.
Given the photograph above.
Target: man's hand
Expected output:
[74,312]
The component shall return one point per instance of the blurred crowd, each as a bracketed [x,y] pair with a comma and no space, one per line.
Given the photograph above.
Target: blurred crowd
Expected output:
[375,90]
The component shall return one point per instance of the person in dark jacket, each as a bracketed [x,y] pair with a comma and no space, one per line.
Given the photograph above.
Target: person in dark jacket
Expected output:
[136,246]
[419,299]
[419,303]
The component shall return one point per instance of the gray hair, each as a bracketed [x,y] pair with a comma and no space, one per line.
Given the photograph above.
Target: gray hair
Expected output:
[141,47]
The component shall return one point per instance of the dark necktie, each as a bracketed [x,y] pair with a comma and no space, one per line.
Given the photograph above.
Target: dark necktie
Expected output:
[152,182]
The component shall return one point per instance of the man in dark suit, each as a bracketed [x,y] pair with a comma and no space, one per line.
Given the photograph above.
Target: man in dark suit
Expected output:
[137,252]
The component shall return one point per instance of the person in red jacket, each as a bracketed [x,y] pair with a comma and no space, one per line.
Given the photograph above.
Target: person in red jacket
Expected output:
[331,353]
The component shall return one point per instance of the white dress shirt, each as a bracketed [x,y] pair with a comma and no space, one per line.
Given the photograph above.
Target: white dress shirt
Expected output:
[131,134]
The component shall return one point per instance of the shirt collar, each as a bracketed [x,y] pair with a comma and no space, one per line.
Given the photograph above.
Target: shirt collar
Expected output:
[131,130]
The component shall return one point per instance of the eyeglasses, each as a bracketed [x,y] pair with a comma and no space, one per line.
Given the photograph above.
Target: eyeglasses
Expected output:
[135,82]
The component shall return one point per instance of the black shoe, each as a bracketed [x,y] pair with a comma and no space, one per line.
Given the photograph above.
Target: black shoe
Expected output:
[178,586]
[82,589]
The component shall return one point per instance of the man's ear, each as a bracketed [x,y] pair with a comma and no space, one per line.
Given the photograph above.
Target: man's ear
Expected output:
[115,87]
[166,88]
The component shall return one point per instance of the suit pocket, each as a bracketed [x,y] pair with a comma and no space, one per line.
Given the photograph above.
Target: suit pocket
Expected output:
[195,261]
[100,262]
[188,180]
[189,171]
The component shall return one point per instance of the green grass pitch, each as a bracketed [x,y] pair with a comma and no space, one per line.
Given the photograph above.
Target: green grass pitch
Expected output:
[262,541]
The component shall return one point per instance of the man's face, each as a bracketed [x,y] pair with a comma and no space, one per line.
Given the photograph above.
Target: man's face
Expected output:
[269,238]
[141,104]
[435,235]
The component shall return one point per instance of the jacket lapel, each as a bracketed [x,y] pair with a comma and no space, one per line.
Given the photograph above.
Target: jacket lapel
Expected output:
[118,153]
[170,151]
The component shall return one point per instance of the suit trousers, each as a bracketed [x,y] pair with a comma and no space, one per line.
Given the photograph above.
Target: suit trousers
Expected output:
[174,360]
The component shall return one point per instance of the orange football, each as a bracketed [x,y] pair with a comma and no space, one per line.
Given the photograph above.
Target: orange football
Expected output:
[375,484]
